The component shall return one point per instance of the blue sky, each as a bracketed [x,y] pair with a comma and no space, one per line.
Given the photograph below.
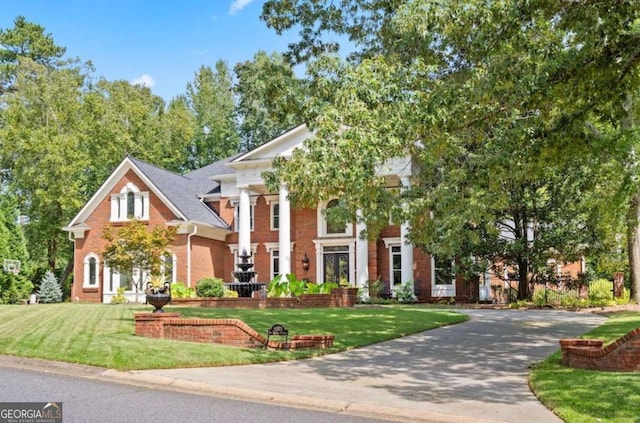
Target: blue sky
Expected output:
[161,43]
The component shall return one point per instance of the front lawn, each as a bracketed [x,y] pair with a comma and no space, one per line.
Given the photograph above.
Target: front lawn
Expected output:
[583,396]
[103,335]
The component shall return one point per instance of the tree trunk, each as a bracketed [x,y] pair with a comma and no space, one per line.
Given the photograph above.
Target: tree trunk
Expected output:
[67,271]
[523,278]
[633,246]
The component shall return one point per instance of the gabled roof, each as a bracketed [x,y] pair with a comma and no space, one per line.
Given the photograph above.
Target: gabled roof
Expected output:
[181,193]
[282,145]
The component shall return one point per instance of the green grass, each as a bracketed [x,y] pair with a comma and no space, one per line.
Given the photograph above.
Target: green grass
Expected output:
[103,335]
[584,396]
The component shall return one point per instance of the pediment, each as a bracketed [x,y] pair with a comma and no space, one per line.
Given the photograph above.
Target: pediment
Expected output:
[282,145]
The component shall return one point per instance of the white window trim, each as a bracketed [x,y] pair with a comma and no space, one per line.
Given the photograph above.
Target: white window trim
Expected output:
[116,281]
[322,224]
[442,290]
[272,247]
[119,204]
[235,202]
[272,207]
[388,243]
[173,269]
[328,242]
[391,254]
[85,282]
[271,201]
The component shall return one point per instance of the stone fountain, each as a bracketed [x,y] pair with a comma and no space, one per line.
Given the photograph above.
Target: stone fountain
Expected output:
[245,285]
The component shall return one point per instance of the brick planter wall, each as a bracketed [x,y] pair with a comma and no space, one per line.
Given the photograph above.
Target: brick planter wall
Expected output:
[232,332]
[622,355]
[339,297]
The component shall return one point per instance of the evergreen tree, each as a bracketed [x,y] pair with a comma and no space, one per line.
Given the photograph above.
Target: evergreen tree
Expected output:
[50,291]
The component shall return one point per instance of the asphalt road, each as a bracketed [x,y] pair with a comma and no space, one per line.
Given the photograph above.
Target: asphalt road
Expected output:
[87,400]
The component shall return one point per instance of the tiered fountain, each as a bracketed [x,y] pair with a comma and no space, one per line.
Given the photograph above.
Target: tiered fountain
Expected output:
[245,285]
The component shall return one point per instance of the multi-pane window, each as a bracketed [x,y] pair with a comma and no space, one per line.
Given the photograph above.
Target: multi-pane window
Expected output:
[275,216]
[275,263]
[396,265]
[237,217]
[444,271]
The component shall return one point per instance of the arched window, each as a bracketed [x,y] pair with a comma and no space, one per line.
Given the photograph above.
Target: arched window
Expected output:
[131,205]
[335,225]
[91,262]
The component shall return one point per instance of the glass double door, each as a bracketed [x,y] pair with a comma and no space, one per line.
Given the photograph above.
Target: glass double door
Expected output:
[336,264]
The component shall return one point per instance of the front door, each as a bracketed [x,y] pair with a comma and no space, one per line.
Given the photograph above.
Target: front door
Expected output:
[336,264]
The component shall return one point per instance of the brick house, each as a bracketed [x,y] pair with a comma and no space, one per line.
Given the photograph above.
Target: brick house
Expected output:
[225,208]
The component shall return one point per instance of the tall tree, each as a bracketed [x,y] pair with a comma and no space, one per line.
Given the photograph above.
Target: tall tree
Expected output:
[492,96]
[270,98]
[120,119]
[210,99]
[40,148]
[25,40]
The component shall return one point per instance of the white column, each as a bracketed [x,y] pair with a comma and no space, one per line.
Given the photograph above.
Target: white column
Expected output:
[406,249]
[362,252]
[244,224]
[284,233]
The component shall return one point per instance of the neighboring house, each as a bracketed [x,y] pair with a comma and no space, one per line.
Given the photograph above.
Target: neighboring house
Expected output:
[225,208]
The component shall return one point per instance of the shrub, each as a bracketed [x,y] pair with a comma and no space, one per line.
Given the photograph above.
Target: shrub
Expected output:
[375,289]
[600,292]
[327,287]
[230,293]
[179,290]
[119,298]
[50,291]
[210,287]
[405,293]
[14,288]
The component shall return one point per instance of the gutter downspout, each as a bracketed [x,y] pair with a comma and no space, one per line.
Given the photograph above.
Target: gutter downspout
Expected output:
[195,230]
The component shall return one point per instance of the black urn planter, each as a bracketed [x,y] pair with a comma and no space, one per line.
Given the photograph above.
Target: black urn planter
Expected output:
[158,300]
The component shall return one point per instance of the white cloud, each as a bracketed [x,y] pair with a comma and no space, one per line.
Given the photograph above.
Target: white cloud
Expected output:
[144,80]
[238,5]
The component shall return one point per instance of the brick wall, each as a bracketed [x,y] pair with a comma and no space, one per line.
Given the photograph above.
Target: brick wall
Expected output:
[622,355]
[231,332]
[340,297]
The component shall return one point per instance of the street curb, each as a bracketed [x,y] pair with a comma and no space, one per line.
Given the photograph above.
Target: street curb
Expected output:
[297,401]
[199,388]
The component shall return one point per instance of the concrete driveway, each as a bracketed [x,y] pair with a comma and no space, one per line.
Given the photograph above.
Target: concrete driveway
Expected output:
[470,372]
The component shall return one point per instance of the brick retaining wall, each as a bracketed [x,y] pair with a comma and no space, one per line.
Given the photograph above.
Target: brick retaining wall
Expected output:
[623,355]
[339,297]
[232,332]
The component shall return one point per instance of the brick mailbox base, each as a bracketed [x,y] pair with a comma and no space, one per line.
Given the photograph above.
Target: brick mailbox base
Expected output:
[220,331]
[621,356]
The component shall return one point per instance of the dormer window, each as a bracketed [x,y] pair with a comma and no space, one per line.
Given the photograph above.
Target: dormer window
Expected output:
[129,204]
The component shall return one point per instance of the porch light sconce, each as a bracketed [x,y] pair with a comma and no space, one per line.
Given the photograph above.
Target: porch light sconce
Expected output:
[305,262]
